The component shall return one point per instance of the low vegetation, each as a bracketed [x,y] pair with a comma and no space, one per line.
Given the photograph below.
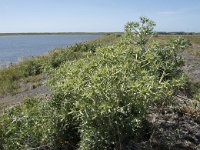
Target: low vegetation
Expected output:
[24,71]
[101,93]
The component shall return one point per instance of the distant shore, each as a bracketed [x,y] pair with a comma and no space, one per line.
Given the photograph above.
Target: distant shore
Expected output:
[53,33]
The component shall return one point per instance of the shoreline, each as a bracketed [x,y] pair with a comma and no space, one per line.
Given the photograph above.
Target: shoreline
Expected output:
[98,33]
[55,33]
[10,62]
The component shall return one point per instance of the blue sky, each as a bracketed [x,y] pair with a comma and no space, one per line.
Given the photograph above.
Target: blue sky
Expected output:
[96,15]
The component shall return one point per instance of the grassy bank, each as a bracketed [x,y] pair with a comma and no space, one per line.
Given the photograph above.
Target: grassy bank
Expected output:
[30,68]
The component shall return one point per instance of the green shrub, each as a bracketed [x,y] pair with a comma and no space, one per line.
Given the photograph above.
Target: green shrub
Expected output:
[110,93]
[8,77]
[1,137]
[11,76]
[23,126]
[77,51]
[84,47]
[98,102]
[31,66]
[35,123]
[58,57]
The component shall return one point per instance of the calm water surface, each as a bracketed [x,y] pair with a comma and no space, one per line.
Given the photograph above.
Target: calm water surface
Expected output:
[15,48]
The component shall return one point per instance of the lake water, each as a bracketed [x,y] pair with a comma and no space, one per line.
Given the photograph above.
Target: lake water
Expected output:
[15,48]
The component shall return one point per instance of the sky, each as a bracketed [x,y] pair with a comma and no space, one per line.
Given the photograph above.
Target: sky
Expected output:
[96,15]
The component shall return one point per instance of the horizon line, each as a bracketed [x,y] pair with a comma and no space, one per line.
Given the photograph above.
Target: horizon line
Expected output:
[26,33]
